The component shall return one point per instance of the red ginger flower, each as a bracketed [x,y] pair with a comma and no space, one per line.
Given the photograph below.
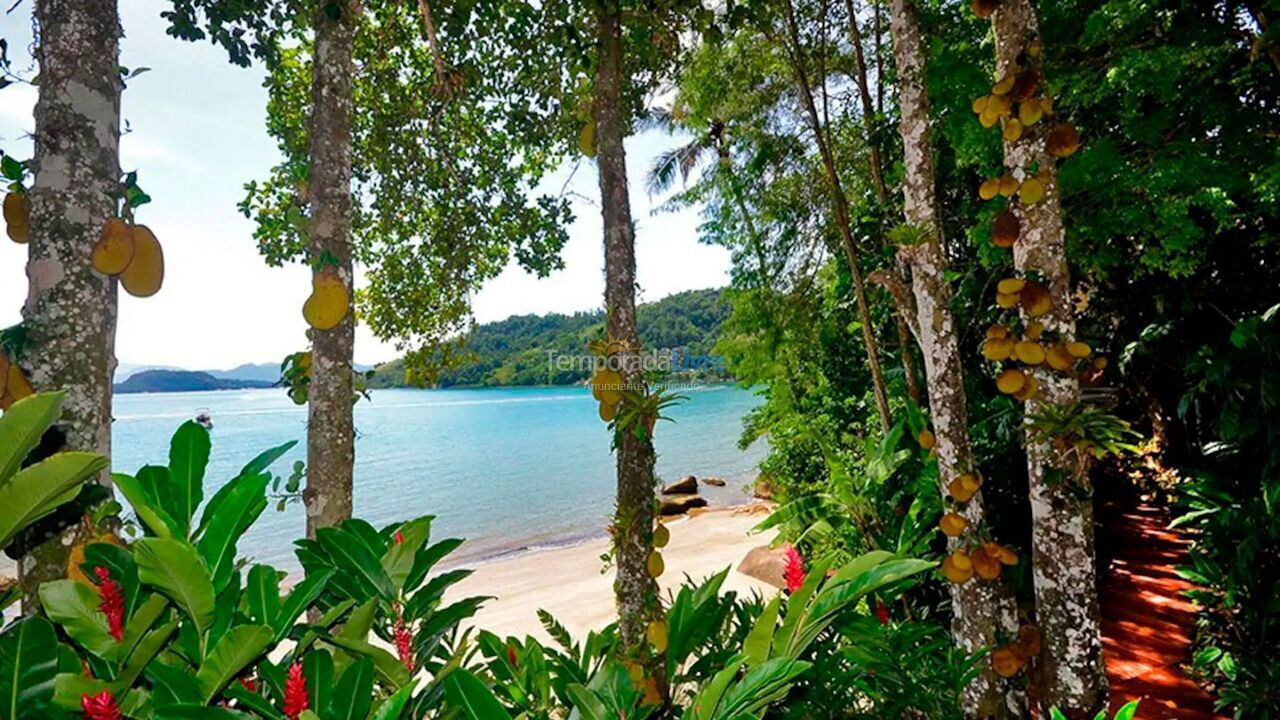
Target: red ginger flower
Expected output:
[882,612]
[794,572]
[399,537]
[100,707]
[404,639]
[112,604]
[295,692]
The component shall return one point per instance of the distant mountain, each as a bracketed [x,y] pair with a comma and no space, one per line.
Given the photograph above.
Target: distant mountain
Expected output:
[124,370]
[182,381]
[515,351]
[267,372]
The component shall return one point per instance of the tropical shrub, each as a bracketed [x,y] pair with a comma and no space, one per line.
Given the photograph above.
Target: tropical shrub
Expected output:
[30,488]
[173,626]
[726,658]
[1231,499]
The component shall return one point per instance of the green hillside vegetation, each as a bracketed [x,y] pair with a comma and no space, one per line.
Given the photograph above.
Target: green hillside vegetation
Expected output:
[514,351]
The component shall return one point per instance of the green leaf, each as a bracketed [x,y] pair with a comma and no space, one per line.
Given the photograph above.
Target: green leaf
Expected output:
[141,498]
[708,699]
[317,670]
[478,702]
[1128,711]
[300,598]
[262,594]
[587,703]
[188,457]
[74,606]
[24,423]
[392,707]
[197,712]
[242,506]
[387,665]
[141,621]
[354,694]
[352,555]
[68,688]
[399,558]
[37,490]
[175,568]
[147,648]
[12,169]
[761,686]
[239,647]
[28,666]
[256,466]
[756,646]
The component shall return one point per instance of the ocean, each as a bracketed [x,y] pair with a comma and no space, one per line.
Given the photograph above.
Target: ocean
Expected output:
[507,469]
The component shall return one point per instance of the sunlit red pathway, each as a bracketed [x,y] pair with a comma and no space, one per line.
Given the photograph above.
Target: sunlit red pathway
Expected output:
[1147,623]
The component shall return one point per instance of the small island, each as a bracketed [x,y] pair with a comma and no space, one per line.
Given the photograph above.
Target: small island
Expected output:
[153,381]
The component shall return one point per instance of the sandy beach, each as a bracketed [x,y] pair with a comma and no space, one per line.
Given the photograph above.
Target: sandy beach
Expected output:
[568,583]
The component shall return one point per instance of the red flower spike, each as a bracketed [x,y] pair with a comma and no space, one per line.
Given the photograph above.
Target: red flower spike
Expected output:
[794,572]
[403,637]
[511,656]
[399,538]
[100,707]
[249,683]
[295,692]
[112,604]
[882,612]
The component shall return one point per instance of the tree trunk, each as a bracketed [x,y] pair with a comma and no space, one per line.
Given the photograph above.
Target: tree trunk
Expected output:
[1072,673]
[330,426]
[878,184]
[70,313]
[981,610]
[840,206]
[635,590]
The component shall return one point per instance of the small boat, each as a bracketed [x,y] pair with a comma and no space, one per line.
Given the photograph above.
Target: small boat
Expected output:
[205,418]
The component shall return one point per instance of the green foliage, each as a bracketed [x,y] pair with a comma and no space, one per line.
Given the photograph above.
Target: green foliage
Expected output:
[515,351]
[172,623]
[1125,713]
[1231,502]
[29,492]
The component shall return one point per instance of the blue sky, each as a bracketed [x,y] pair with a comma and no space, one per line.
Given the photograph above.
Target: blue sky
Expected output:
[196,135]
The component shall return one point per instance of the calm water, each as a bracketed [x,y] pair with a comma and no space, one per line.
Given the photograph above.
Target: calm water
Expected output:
[505,468]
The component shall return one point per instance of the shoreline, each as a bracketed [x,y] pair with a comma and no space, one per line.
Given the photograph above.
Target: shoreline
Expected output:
[568,582]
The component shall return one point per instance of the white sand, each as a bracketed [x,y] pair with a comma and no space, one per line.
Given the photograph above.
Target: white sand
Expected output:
[567,582]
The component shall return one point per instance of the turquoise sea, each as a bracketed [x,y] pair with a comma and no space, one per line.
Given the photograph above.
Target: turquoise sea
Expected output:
[508,469]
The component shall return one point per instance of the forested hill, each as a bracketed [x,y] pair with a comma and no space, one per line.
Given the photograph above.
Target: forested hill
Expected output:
[514,351]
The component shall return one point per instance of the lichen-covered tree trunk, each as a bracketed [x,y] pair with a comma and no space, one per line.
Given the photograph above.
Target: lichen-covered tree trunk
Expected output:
[330,425]
[840,206]
[70,313]
[1072,675]
[635,590]
[980,609]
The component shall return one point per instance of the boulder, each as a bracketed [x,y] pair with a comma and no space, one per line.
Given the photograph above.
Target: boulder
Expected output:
[766,564]
[685,486]
[713,481]
[680,504]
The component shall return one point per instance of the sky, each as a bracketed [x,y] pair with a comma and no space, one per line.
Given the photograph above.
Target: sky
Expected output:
[195,132]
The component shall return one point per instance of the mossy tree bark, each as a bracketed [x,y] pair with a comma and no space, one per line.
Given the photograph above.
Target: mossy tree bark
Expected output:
[330,424]
[70,312]
[840,208]
[981,610]
[635,590]
[1072,675]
